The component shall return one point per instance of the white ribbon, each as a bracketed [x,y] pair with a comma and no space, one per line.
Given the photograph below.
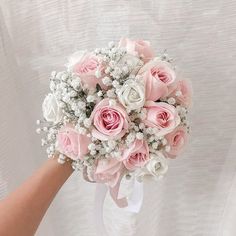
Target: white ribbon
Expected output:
[100,195]
[136,199]
[134,204]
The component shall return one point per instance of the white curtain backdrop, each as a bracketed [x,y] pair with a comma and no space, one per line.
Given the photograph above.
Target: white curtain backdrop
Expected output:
[198,195]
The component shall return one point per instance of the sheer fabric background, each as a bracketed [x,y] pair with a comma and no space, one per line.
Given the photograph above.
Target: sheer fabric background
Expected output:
[198,195]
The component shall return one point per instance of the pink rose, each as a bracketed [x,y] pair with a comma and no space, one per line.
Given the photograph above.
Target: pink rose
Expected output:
[136,156]
[162,116]
[108,171]
[110,122]
[89,70]
[71,143]
[158,77]
[138,48]
[176,140]
[182,93]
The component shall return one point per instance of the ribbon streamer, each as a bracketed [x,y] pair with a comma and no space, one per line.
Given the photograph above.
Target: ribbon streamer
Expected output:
[136,200]
[133,204]
[100,195]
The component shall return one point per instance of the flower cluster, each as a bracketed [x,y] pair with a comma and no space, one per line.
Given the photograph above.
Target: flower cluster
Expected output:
[116,111]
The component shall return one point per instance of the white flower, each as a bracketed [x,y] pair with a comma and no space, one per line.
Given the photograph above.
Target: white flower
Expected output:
[111,44]
[142,114]
[66,98]
[87,122]
[82,130]
[132,95]
[142,126]
[75,83]
[81,105]
[171,101]
[178,93]
[132,63]
[51,109]
[112,63]
[91,98]
[93,152]
[111,143]
[164,141]
[102,151]
[38,130]
[53,74]
[139,135]
[91,146]
[73,94]
[155,145]
[107,81]
[52,86]
[99,93]
[130,138]
[116,84]
[157,166]
[151,138]
[111,93]
[62,104]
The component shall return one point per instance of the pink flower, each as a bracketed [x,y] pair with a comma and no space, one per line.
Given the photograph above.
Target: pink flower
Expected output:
[158,77]
[109,122]
[184,89]
[89,70]
[161,116]
[176,140]
[136,156]
[138,48]
[71,143]
[108,171]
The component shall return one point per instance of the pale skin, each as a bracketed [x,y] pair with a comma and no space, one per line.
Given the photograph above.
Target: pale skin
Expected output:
[22,211]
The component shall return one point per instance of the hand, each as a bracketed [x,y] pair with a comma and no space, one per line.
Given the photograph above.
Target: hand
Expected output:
[22,211]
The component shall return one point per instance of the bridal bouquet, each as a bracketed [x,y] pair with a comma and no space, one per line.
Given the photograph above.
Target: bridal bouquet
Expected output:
[116,111]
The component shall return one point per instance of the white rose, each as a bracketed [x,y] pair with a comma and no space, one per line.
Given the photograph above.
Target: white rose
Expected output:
[157,166]
[132,95]
[51,109]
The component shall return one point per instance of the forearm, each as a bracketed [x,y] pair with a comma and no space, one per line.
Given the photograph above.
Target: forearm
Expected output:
[22,211]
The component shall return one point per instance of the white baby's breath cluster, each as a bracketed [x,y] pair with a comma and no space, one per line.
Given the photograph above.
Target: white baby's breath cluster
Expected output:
[70,101]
